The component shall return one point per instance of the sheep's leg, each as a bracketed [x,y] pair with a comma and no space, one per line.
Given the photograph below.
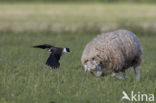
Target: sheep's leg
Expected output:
[119,77]
[137,72]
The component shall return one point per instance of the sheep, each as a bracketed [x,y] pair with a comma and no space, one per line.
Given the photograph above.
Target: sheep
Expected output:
[113,52]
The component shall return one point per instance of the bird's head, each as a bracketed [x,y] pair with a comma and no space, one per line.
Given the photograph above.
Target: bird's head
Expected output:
[66,50]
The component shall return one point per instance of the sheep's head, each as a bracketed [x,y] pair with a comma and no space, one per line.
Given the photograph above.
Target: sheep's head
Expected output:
[93,67]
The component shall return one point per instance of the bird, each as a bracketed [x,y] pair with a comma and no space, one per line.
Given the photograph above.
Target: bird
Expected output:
[54,57]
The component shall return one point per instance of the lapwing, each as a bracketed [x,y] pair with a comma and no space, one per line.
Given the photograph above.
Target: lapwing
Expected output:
[56,53]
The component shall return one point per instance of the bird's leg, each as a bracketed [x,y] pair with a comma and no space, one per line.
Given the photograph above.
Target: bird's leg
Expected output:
[137,73]
[119,77]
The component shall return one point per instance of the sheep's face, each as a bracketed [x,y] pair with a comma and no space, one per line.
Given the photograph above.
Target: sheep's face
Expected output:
[92,66]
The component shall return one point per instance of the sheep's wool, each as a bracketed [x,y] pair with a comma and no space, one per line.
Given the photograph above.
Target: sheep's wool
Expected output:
[116,51]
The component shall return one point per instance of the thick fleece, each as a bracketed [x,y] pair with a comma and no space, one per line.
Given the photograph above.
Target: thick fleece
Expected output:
[113,51]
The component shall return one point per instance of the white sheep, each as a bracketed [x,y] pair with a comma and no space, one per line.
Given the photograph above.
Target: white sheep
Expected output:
[113,52]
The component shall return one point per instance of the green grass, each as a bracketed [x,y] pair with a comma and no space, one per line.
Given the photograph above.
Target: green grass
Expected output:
[24,77]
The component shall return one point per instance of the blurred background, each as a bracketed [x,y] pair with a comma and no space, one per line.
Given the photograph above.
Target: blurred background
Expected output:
[56,15]
[69,23]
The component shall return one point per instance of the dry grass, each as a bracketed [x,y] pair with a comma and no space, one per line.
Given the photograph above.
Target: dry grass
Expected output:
[37,16]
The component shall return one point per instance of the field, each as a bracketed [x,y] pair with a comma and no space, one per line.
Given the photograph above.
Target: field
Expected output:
[26,79]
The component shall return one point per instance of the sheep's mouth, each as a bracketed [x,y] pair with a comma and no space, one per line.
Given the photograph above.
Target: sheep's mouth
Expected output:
[103,74]
[94,73]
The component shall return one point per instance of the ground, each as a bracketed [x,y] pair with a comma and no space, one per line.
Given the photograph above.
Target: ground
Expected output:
[26,79]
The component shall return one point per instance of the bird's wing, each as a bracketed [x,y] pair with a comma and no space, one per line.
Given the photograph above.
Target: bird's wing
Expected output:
[44,46]
[53,60]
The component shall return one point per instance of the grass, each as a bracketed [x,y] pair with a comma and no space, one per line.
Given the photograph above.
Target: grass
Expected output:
[26,79]
[58,16]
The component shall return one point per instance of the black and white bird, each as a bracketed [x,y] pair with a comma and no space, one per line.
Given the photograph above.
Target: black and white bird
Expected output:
[56,53]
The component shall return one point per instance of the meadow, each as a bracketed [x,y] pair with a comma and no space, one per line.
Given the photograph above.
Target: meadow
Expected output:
[24,77]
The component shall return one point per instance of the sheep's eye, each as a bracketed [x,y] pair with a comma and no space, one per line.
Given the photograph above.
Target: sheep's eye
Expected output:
[86,61]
